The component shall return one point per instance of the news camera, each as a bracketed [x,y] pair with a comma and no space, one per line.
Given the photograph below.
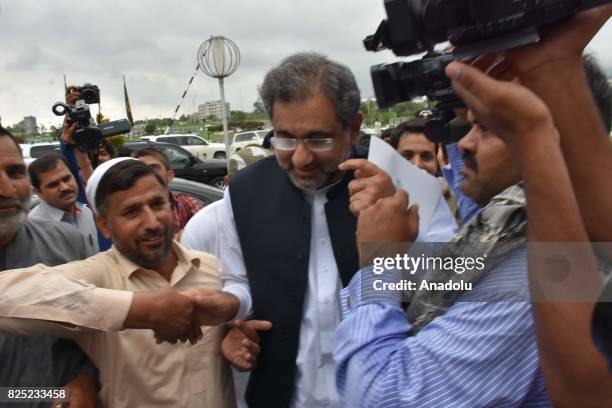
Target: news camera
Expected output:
[88,135]
[474,27]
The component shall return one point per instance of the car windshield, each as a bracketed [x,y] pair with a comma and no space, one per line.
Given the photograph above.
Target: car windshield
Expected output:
[178,158]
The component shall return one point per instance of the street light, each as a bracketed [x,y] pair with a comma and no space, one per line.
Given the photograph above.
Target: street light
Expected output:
[219,57]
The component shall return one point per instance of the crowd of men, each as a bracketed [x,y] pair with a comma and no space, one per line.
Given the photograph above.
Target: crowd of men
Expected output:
[132,296]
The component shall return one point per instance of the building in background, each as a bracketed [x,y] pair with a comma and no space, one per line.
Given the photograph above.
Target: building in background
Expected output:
[27,127]
[212,109]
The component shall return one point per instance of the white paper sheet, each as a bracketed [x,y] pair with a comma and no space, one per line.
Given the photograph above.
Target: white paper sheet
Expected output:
[423,188]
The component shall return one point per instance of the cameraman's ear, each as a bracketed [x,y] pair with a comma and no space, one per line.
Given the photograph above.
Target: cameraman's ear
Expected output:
[356,127]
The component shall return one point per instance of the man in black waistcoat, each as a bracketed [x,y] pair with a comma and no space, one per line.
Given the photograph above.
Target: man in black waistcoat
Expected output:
[294,233]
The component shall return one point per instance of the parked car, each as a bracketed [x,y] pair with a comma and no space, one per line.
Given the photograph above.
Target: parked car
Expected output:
[33,151]
[184,164]
[203,193]
[201,148]
[244,139]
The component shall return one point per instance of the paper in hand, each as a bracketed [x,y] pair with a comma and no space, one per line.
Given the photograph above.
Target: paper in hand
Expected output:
[423,188]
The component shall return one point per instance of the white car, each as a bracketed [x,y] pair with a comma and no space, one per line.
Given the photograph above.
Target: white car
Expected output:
[201,148]
[33,151]
[244,139]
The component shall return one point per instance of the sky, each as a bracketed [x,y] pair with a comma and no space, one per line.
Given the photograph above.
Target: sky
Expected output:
[154,44]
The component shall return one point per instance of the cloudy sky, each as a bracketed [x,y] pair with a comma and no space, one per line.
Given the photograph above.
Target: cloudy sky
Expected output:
[154,44]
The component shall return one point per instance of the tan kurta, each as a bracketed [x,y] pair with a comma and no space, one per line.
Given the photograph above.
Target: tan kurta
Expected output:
[134,370]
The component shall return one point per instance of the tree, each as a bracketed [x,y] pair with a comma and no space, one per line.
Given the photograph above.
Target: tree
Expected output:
[150,128]
[258,107]
[238,116]
[100,118]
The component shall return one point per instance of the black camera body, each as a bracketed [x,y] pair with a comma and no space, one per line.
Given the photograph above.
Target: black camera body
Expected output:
[89,93]
[475,27]
[88,135]
[403,81]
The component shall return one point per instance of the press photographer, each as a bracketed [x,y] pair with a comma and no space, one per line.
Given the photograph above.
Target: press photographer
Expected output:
[519,144]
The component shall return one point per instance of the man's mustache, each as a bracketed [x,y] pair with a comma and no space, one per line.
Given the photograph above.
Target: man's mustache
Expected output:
[12,202]
[469,159]
[153,234]
[66,193]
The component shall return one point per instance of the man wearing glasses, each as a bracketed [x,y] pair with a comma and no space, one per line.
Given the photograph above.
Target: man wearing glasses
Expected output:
[287,226]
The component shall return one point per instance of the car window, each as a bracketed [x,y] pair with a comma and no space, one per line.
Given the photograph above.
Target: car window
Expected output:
[194,141]
[178,159]
[168,139]
[39,151]
[245,136]
[176,140]
[262,134]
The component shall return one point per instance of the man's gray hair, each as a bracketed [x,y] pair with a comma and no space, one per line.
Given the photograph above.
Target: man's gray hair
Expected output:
[300,76]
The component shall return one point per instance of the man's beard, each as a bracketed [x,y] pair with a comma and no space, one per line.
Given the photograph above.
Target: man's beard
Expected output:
[12,223]
[153,260]
[329,175]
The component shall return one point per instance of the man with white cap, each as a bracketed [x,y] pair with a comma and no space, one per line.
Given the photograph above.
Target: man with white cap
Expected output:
[131,205]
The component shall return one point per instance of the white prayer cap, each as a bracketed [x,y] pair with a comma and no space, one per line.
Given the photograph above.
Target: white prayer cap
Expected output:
[96,177]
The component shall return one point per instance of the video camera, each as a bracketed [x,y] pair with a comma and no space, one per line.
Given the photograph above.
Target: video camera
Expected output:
[88,135]
[474,27]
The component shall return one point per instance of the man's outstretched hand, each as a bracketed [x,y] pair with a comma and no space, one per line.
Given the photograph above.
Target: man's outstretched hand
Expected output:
[212,307]
[165,311]
[241,344]
[563,44]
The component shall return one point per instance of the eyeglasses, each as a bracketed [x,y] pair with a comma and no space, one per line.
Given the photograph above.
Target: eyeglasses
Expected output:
[314,145]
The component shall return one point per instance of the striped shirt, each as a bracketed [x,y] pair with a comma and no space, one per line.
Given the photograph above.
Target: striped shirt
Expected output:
[478,354]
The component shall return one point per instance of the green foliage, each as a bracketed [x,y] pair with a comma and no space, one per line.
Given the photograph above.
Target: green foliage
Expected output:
[118,141]
[150,128]
[237,116]
[247,124]
[215,128]
[399,112]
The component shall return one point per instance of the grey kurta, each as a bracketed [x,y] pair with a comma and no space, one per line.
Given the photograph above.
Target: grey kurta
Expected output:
[44,360]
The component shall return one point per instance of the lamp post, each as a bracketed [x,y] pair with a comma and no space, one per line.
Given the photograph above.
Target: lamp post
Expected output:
[219,57]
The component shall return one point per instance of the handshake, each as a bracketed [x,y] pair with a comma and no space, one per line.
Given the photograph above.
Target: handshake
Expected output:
[178,316]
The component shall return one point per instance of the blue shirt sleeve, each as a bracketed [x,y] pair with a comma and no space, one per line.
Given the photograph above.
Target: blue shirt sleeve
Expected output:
[476,354]
[74,169]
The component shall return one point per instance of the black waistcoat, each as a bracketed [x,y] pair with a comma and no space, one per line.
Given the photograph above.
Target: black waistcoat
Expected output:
[273,223]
